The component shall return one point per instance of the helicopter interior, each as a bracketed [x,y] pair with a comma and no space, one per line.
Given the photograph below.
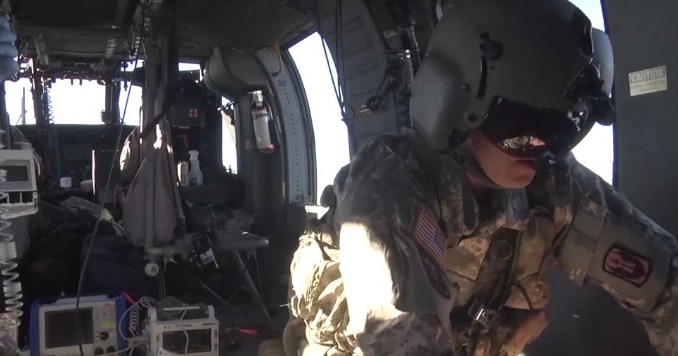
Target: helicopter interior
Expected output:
[183,246]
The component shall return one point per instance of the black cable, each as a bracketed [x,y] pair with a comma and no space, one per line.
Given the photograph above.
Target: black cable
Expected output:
[327,57]
[340,50]
[336,85]
[523,291]
[337,46]
[101,206]
[339,38]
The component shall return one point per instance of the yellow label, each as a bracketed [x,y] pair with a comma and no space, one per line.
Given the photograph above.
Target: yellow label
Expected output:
[108,325]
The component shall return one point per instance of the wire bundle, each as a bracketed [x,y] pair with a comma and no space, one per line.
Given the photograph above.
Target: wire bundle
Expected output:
[133,311]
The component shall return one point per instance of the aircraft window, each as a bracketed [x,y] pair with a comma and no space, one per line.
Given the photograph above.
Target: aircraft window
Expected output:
[183,66]
[596,151]
[188,66]
[71,104]
[16,93]
[77,103]
[331,135]
[229,153]
[133,115]
[130,65]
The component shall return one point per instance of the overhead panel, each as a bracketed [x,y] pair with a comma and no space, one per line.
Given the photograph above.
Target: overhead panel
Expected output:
[72,13]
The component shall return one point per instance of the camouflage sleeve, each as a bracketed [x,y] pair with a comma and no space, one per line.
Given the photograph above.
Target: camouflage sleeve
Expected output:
[399,298]
[611,243]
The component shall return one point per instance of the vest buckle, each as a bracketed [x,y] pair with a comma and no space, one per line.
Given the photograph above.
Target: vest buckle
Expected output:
[481,316]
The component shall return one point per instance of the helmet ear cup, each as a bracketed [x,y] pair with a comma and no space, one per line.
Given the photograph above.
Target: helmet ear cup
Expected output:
[439,96]
[603,59]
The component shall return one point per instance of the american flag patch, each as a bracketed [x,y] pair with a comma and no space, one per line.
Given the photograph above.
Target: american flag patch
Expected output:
[429,236]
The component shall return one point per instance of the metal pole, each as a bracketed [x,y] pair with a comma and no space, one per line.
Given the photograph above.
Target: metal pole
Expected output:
[150,95]
[23,107]
[4,123]
[40,120]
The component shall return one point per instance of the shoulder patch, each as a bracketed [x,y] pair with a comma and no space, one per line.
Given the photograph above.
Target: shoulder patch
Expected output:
[627,265]
[429,236]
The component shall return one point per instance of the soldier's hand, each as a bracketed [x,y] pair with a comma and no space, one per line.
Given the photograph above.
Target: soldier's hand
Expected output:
[8,51]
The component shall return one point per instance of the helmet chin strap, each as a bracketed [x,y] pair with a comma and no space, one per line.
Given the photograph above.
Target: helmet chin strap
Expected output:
[465,159]
[471,167]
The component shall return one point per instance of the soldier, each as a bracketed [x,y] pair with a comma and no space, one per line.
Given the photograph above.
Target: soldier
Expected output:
[439,241]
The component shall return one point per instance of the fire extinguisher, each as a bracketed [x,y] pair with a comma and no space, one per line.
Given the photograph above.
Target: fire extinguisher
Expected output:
[262,119]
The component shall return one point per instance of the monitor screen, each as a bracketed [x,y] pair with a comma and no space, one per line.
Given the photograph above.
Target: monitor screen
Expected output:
[16,173]
[60,328]
[198,341]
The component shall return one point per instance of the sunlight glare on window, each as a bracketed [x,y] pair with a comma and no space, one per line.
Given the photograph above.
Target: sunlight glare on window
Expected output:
[331,135]
[133,114]
[77,103]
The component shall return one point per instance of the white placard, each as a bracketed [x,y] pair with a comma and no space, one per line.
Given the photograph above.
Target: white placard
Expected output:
[648,81]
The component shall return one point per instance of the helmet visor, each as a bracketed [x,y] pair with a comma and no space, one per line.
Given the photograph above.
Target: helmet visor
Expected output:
[525,131]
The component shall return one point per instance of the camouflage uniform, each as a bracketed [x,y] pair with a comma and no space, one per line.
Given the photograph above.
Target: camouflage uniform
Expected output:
[412,257]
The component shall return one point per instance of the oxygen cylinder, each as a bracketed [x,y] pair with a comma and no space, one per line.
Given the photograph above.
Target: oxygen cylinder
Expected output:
[262,118]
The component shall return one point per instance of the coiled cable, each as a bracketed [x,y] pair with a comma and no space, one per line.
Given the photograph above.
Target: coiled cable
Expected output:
[133,320]
[52,137]
[11,318]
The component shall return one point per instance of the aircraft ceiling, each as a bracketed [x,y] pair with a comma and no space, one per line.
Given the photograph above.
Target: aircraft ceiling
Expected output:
[84,31]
